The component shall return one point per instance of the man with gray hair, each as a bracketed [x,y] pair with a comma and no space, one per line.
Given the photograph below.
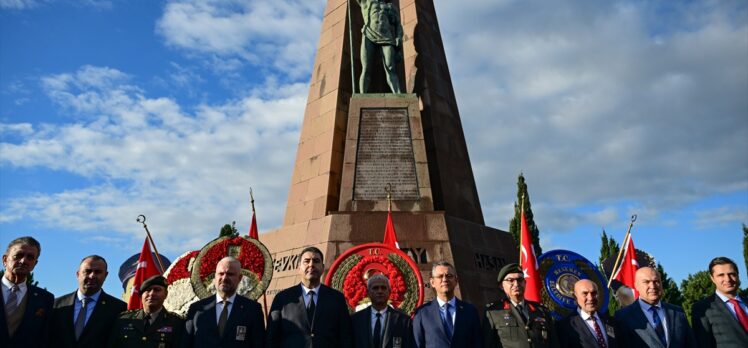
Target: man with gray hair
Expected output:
[27,310]
[379,325]
[225,320]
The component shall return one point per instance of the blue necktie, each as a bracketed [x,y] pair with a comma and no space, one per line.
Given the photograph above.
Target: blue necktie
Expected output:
[447,321]
[658,325]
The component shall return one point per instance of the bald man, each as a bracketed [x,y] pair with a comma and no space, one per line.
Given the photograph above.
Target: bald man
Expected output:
[587,327]
[649,322]
[226,319]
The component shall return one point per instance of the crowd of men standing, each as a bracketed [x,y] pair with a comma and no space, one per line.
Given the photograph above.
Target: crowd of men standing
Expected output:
[311,314]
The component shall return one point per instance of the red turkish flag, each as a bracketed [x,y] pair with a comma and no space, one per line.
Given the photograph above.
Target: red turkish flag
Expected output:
[253,228]
[529,263]
[627,270]
[146,268]
[390,238]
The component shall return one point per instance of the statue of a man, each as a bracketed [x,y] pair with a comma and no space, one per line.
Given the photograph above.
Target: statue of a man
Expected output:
[382,33]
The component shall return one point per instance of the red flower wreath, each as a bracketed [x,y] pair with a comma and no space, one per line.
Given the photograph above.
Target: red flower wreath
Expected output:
[251,257]
[354,285]
[179,269]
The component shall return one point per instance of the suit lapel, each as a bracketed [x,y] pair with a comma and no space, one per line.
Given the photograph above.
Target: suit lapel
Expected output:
[437,315]
[670,315]
[386,334]
[649,334]
[725,312]
[577,322]
[301,307]
[237,311]
[100,307]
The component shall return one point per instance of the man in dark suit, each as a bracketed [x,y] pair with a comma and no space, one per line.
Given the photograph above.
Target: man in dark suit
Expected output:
[84,318]
[151,326]
[721,320]
[649,322]
[446,321]
[515,321]
[587,327]
[379,325]
[310,314]
[25,320]
[225,320]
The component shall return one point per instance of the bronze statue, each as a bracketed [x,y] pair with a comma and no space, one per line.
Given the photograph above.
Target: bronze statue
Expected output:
[383,33]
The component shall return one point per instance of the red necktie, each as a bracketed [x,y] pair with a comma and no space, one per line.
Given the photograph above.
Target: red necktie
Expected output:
[742,318]
[598,333]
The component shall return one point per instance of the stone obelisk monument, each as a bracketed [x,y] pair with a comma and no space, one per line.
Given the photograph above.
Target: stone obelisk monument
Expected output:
[355,147]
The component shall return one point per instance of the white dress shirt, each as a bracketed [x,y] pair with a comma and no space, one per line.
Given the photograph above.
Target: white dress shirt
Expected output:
[219,305]
[586,318]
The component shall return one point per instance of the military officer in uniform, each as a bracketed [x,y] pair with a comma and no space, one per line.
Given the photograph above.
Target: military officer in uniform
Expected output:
[151,326]
[514,321]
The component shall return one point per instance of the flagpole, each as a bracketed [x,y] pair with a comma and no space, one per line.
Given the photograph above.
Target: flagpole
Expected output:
[141,219]
[350,46]
[624,245]
[264,296]
[521,216]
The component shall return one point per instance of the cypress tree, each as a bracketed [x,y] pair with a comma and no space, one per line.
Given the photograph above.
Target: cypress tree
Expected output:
[671,293]
[514,225]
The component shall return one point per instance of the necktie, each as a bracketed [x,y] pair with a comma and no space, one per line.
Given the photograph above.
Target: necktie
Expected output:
[658,324]
[310,309]
[12,303]
[521,311]
[742,317]
[147,323]
[223,317]
[377,335]
[598,333]
[448,325]
[80,322]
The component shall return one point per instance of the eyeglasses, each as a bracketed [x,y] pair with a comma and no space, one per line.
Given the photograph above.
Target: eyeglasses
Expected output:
[514,280]
[446,276]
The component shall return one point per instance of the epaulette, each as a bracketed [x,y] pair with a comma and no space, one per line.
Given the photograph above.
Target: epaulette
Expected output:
[128,313]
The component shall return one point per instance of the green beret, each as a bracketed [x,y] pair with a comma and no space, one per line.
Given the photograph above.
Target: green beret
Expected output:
[155,280]
[508,269]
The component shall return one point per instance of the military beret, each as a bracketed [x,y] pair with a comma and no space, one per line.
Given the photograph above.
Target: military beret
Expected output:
[155,280]
[508,269]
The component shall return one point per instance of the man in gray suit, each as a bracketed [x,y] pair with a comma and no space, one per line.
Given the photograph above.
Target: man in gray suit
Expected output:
[721,319]
[379,325]
[649,322]
[309,314]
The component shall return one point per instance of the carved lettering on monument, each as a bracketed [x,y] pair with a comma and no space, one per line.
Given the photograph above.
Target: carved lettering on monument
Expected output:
[417,254]
[385,156]
[488,262]
[286,263]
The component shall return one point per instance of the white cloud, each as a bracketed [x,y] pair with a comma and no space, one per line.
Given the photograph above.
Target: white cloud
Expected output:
[280,35]
[188,172]
[601,103]
[18,4]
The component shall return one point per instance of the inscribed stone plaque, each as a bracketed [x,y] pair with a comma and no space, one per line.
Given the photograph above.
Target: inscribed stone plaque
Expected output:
[385,156]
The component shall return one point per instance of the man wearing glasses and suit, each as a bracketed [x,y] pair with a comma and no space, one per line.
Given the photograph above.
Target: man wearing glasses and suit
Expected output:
[446,321]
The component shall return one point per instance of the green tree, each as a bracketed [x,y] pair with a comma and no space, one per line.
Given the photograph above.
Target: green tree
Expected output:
[228,231]
[671,293]
[608,247]
[514,225]
[695,287]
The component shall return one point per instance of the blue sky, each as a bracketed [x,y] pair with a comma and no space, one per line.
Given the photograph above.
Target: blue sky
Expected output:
[173,109]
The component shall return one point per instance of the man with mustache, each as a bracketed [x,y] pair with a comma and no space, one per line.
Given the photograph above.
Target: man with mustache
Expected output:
[150,326]
[84,318]
[225,320]
[309,314]
[26,314]
[649,322]
[721,320]
[587,327]
[515,321]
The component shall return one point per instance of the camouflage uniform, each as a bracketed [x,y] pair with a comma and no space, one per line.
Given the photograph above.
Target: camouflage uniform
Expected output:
[503,326]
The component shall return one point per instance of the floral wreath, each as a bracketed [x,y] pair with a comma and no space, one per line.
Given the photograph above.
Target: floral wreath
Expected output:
[181,295]
[353,271]
[255,260]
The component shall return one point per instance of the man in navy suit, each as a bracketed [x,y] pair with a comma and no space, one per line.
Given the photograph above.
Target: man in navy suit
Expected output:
[721,320]
[379,325]
[587,327]
[309,314]
[446,321]
[27,310]
[225,320]
[649,322]
[84,318]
